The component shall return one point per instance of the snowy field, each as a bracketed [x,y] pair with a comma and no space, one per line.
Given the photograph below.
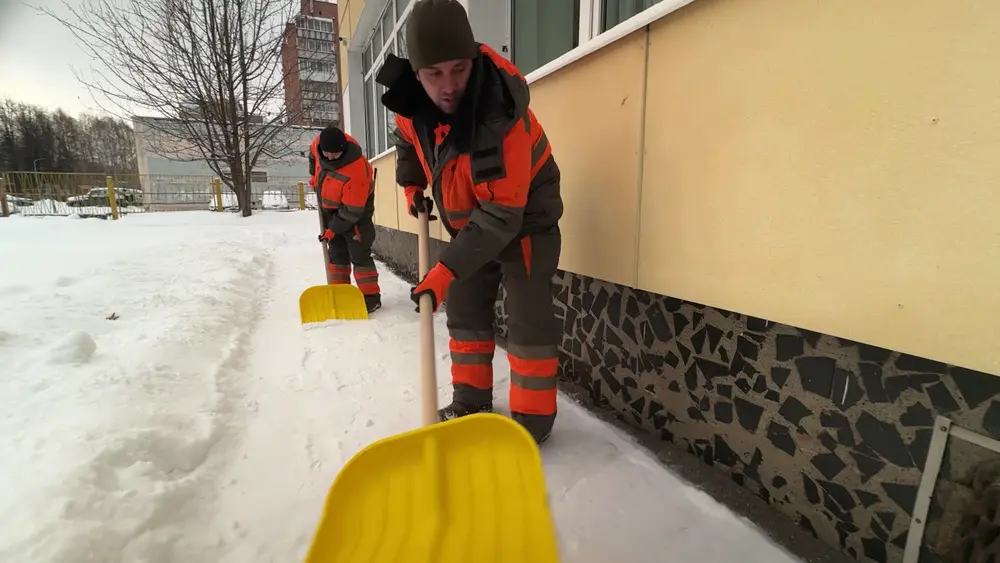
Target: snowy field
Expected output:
[162,403]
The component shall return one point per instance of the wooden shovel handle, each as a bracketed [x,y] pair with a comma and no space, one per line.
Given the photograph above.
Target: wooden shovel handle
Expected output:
[428,374]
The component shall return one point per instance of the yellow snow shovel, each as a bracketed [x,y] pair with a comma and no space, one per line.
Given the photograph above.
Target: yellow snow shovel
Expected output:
[469,489]
[325,302]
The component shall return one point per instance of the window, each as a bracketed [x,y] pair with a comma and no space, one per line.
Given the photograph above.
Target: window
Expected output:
[387,38]
[614,12]
[258,176]
[542,30]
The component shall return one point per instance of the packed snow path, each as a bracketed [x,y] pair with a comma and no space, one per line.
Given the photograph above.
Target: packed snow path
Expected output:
[163,403]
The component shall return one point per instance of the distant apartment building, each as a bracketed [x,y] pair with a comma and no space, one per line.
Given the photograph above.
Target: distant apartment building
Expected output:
[310,63]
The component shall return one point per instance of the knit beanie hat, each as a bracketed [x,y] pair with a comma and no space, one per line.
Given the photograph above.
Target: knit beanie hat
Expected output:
[332,139]
[438,31]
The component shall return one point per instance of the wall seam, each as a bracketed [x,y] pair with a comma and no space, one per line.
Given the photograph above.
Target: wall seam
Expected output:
[640,176]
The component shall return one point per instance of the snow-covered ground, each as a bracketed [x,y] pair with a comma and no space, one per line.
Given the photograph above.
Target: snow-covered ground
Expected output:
[162,403]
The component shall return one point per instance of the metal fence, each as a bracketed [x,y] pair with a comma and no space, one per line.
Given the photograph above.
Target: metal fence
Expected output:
[84,194]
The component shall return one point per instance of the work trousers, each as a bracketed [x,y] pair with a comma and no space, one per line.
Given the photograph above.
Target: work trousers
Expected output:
[525,268]
[354,248]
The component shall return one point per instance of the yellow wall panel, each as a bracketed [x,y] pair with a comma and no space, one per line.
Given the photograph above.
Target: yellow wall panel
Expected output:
[592,115]
[386,192]
[830,165]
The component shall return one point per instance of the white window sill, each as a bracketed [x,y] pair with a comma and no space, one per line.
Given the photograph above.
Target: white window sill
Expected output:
[627,27]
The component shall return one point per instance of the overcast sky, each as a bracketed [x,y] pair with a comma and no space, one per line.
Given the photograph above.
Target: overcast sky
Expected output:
[38,56]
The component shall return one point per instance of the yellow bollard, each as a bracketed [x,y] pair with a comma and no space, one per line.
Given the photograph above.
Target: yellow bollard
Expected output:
[302,197]
[112,200]
[217,188]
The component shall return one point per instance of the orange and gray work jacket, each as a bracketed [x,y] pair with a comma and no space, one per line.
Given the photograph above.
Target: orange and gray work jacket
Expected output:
[490,167]
[345,187]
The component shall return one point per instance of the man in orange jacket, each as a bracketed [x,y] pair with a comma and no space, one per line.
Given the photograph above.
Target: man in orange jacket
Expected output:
[464,127]
[344,183]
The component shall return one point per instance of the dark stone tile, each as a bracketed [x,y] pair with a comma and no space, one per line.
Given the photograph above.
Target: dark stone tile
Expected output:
[747,347]
[941,398]
[724,412]
[691,377]
[841,495]
[828,464]
[906,362]
[614,310]
[685,352]
[887,518]
[807,525]
[773,396]
[724,454]
[976,387]
[900,541]
[760,385]
[672,304]
[904,495]
[698,339]
[788,347]
[696,319]
[991,419]
[674,386]
[810,489]
[781,437]
[867,499]
[672,360]
[779,376]
[846,390]
[828,441]
[833,419]
[895,385]
[748,414]
[884,438]
[680,323]
[871,377]
[867,466]
[758,325]
[794,411]
[778,482]
[744,385]
[816,374]
[726,391]
[695,415]
[874,549]
[920,445]
[710,369]
[714,337]
[704,404]
[875,354]
[812,337]
[917,415]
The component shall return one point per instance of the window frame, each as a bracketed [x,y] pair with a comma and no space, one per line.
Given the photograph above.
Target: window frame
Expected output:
[378,141]
[591,38]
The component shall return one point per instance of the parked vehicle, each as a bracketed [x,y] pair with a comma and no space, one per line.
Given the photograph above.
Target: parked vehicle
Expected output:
[98,197]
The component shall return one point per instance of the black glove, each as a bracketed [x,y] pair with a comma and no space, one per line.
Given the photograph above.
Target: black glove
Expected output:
[419,203]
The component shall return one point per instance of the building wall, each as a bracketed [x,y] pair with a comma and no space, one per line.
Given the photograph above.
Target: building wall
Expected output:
[780,249]
[297,80]
[175,171]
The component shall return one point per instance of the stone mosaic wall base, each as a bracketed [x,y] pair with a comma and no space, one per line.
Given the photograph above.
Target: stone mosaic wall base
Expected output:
[831,432]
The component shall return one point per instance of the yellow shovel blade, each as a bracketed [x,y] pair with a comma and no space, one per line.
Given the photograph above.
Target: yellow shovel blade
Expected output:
[469,489]
[325,302]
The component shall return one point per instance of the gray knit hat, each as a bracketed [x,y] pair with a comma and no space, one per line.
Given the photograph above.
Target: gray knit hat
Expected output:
[438,31]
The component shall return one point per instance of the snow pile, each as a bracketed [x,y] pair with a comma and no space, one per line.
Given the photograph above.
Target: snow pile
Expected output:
[107,422]
[53,207]
[163,403]
[274,199]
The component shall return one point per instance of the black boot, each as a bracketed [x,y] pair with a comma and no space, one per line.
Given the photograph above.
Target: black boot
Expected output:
[457,410]
[538,425]
[373,302]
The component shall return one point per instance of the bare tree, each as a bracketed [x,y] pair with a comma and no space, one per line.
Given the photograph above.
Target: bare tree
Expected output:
[212,68]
